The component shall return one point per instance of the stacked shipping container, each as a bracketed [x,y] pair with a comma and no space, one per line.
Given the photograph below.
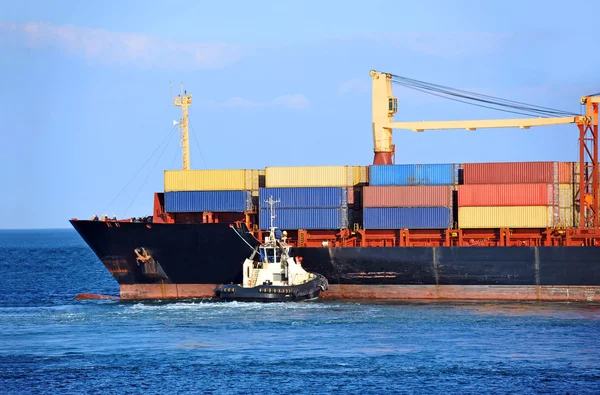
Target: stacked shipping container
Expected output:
[212,180]
[309,176]
[307,197]
[516,195]
[518,173]
[213,201]
[311,218]
[305,208]
[193,191]
[409,197]
[318,197]
[491,195]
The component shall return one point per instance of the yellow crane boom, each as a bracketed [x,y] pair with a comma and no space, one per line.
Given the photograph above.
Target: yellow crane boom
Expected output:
[522,123]
[385,105]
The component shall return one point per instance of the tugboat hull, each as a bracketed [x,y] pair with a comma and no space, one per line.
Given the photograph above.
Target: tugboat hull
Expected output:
[274,293]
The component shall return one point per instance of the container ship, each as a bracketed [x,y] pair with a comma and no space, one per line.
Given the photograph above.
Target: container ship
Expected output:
[466,231]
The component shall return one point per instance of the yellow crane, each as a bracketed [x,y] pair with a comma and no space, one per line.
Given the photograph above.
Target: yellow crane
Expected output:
[184,100]
[385,106]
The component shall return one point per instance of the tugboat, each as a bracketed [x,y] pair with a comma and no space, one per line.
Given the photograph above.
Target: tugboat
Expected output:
[270,274]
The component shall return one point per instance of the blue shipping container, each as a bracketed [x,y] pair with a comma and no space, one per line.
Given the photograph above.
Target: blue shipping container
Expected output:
[438,174]
[407,218]
[305,218]
[328,197]
[216,201]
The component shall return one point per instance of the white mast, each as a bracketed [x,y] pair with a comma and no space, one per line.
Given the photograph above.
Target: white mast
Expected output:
[272,214]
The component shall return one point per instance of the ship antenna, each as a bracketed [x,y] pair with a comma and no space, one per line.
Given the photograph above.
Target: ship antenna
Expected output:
[272,214]
[184,100]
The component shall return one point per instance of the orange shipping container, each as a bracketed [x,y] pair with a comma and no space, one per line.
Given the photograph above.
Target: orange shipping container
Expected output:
[565,172]
[408,196]
[517,173]
[479,195]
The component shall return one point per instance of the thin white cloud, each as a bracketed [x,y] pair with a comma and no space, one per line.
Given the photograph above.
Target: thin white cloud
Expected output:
[292,101]
[296,101]
[443,44]
[123,48]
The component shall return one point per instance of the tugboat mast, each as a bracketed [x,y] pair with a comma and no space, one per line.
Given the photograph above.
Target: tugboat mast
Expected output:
[184,100]
[271,212]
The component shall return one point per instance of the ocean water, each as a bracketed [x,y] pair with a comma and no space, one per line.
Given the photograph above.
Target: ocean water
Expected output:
[51,343]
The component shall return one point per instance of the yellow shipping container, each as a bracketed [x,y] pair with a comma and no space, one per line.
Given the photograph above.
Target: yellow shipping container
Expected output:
[563,214]
[211,180]
[260,181]
[361,175]
[309,176]
[563,217]
[505,217]
[565,195]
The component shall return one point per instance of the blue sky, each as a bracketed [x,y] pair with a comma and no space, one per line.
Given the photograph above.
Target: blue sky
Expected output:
[85,96]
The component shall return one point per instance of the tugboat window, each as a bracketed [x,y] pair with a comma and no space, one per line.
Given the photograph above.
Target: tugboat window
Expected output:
[270,255]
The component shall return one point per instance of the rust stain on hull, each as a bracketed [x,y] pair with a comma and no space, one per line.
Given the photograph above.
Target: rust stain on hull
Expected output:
[94,296]
[406,292]
[371,275]
[167,291]
[465,292]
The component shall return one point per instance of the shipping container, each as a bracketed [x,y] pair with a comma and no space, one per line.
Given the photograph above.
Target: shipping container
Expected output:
[477,195]
[309,176]
[211,180]
[407,218]
[408,196]
[261,182]
[350,193]
[517,173]
[566,197]
[305,218]
[564,217]
[561,217]
[505,217]
[215,201]
[565,172]
[311,197]
[566,207]
[360,175]
[436,174]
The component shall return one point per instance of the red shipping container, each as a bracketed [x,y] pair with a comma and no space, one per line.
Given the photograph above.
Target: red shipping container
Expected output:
[511,173]
[480,195]
[350,195]
[408,196]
